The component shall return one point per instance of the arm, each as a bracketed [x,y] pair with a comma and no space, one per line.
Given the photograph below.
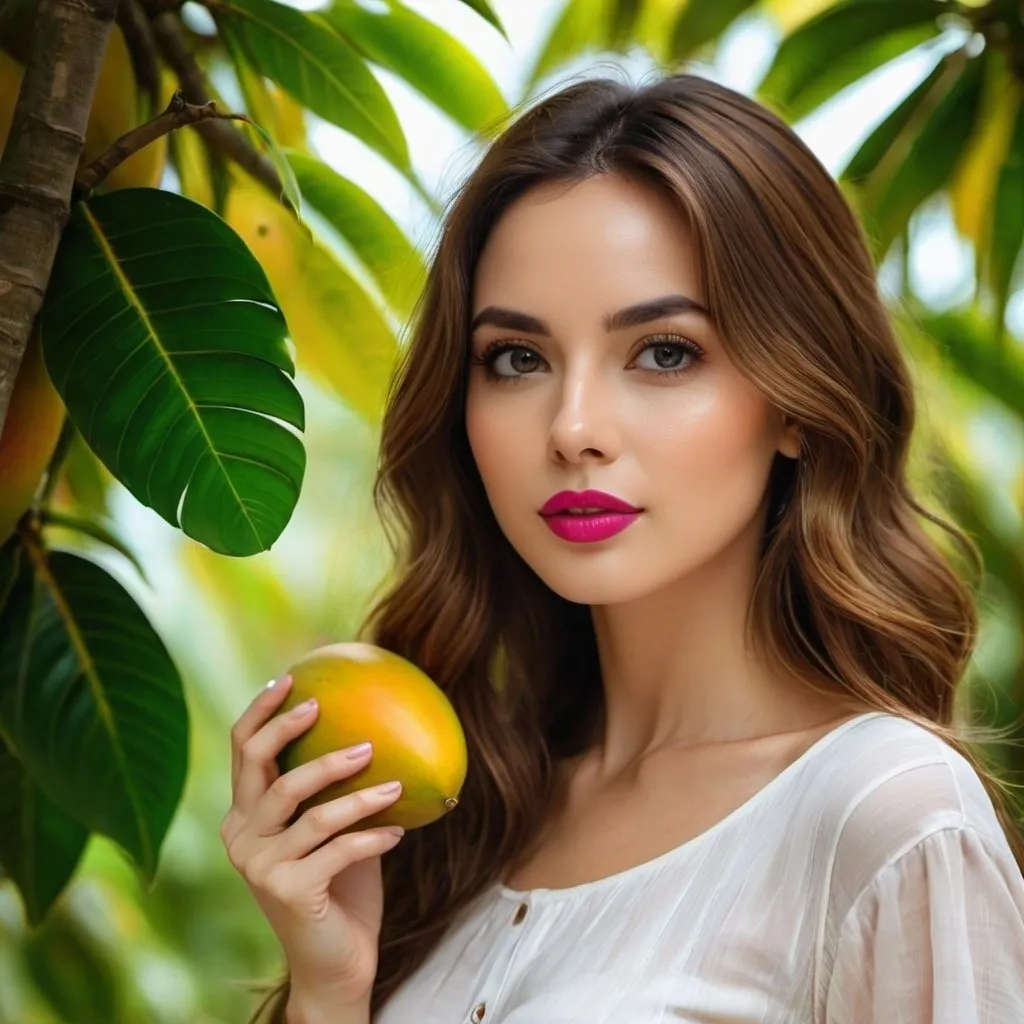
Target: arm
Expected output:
[937,937]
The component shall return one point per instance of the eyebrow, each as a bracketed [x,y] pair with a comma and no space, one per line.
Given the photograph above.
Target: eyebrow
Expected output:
[630,316]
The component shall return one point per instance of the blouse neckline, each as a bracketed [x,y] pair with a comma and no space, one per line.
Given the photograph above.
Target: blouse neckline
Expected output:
[752,802]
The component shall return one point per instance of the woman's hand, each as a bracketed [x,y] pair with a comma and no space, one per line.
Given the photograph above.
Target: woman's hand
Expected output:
[323,896]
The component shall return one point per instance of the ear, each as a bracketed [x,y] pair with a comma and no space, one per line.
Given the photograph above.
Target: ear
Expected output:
[789,437]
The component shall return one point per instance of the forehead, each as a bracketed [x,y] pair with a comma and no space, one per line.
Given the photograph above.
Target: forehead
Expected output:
[608,239]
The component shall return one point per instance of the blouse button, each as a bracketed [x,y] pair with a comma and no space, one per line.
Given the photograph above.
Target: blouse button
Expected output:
[478,1013]
[520,913]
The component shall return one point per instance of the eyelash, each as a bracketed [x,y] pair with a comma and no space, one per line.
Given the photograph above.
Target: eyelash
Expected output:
[500,345]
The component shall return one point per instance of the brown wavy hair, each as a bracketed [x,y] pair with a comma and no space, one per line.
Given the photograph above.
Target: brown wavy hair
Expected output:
[853,593]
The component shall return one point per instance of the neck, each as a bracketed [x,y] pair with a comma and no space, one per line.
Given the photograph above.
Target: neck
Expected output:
[676,670]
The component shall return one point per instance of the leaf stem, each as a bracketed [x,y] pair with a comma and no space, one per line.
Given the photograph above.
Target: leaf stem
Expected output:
[177,114]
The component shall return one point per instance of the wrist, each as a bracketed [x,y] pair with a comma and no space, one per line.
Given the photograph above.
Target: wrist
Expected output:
[306,1006]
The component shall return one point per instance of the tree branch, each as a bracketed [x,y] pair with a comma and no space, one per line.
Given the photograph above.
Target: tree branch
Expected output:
[139,36]
[37,168]
[170,38]
[177,114]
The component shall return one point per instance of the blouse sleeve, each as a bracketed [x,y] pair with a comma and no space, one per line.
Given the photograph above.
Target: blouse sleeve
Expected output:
[936,938]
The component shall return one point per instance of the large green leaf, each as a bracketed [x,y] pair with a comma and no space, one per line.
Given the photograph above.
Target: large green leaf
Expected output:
[40,844]
[1008,223]
[305,56]
[701,21]
[842,44]
[923,152]
[162,335]
[366,227]
[90,701]
[426,57]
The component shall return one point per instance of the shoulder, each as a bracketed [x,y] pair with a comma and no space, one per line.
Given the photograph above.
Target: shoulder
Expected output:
[892,789]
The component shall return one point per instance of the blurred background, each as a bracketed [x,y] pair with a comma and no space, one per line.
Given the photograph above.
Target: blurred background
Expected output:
[187,950]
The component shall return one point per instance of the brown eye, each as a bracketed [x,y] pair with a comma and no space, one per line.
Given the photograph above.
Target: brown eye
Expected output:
[512,361]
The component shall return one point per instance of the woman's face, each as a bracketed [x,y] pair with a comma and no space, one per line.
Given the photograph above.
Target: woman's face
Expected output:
[651,411]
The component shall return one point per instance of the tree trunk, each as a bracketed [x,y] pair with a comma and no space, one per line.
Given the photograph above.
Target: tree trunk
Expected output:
[37,169]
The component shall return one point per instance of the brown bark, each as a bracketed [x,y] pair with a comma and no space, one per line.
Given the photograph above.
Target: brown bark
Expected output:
[170,39]
[37,169]
[177,114]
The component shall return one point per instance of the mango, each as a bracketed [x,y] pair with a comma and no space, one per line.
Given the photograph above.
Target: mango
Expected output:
[365,692]
[117,107]
[29,435]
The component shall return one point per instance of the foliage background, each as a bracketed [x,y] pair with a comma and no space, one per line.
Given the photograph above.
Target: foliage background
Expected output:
[186,950]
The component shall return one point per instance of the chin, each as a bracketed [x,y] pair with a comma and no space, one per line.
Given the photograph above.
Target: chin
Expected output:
[592,577]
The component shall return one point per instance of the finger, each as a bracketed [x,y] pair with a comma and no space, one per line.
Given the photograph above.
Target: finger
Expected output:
[342,852]
[259,754]
[322,822]
[287,791]
[265,703]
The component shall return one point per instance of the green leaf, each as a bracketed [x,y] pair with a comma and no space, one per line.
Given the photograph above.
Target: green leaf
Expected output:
[164,340]
[289,186]
[923,154]
[91,702]
[260,107]
[49,516]
[426,57]
[907,114]
[40,844]
[366,227]
[972,191]
[306,57]
[486,11]
[8,569]
[73,971]
[701,21]
[341,334]
[582,26]
[841,45]
[1008,224]
[623,22]
[966,343]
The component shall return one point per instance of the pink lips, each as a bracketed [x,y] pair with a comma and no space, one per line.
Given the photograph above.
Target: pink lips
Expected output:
[614,517]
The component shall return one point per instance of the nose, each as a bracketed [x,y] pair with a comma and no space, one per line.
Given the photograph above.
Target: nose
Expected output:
[583,425]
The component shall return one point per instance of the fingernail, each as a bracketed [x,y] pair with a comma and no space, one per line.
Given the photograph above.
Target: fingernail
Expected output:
[386,788]
[358,750]
[304,708]
[279,681]
[395,830]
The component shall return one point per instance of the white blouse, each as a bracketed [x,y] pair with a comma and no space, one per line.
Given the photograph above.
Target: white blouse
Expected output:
[868,883]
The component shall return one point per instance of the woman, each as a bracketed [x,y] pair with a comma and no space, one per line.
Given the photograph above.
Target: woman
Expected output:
[713,770]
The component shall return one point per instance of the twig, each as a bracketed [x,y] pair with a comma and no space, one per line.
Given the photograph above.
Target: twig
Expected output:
[177,114]
[170,38]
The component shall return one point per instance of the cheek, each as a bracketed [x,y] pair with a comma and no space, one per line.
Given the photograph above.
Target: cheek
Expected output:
[715,446]
[493,439]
